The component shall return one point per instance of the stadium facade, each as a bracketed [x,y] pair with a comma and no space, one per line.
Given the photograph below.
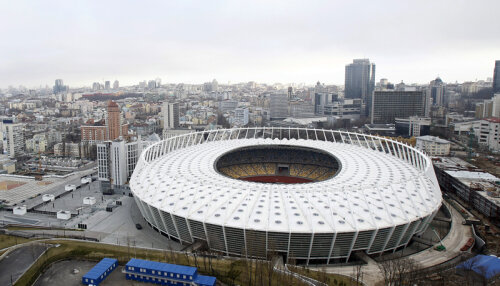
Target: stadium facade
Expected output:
[333,192]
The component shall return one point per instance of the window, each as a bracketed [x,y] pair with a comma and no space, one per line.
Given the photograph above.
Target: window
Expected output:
[171,275]
[153,271]
[178,276]
[184,276]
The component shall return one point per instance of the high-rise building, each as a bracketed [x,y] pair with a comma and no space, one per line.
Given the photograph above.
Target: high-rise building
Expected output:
[496,77]
[278,106]
[152,84]
[59,86]
[96,86]
[14,139]
[359,79]
[437,93]
[290,92]
[107,85]
[117,159]
[116,84]
[113,121]
[389,104]
[170,112]
[240,116]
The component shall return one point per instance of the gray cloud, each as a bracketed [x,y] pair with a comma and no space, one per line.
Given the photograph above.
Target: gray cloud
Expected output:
[269,41]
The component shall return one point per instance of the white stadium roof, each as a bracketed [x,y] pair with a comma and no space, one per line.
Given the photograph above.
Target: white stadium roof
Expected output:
[372,190]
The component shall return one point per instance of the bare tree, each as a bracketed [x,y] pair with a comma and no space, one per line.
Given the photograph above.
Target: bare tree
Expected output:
[399,271]
[358,273]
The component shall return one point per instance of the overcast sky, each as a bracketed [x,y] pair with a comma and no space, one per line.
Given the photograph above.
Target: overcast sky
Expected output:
[235,41]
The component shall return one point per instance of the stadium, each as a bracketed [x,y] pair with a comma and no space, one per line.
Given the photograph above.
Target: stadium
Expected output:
[311,195]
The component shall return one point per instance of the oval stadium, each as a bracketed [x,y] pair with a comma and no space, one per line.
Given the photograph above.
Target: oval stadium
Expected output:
[311,195]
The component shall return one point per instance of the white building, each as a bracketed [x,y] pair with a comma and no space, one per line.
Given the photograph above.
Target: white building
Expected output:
[433,146]
[37,144]
[13,139]
[240,116]
[486,131]
[117,159]
[170,112]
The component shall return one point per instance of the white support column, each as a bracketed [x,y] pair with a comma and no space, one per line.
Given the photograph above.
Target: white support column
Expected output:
[175,226]
[225,239]
[352,245]
[401,236]
[310,249]
[372,239]
[331,248]
[388,238]
[288,248]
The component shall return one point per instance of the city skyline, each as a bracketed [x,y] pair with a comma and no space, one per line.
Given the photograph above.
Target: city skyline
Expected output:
[195,41]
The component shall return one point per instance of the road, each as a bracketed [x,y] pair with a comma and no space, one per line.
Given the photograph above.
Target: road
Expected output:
[456,238]
[18,261]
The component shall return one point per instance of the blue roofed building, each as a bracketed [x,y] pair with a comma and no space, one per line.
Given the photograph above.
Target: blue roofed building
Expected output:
[99,272]
[165,273]
[483,265]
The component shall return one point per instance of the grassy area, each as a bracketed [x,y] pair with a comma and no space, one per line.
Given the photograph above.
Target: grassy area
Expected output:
[239,272]
[7,240]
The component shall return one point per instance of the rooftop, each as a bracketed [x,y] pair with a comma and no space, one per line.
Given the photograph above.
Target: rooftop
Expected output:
[434,139]
[372,190]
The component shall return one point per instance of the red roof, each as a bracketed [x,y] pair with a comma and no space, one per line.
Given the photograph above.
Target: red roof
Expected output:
[493,119]
[112,104]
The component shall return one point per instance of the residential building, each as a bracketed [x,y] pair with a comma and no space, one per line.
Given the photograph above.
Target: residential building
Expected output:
[240,116]
[227,105]
[116,84]
[433,146]
[94,132]
[113,121]
[117,159]
[389,104]
[170,112]
[37,144]
[7,165]
[278,106]
[67,149]
[13,134]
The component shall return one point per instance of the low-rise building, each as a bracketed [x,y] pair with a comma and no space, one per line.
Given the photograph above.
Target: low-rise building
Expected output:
[413,126]
[486,131]
[479,189]
[433,146]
